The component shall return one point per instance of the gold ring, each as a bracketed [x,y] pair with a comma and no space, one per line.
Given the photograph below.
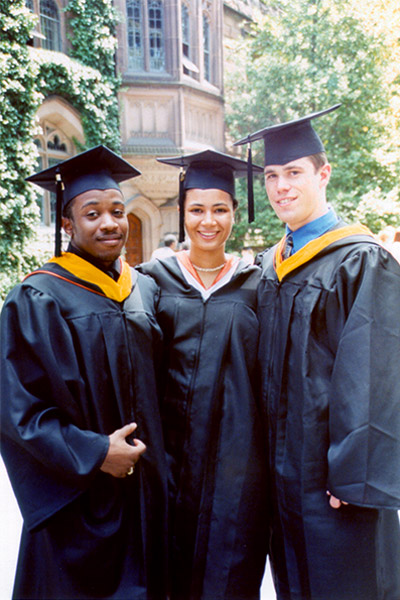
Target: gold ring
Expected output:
[130,471]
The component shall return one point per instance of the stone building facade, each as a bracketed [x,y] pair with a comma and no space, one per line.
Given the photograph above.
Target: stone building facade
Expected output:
[171,59]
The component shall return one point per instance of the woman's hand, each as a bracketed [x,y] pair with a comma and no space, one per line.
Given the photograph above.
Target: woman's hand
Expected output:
[335,502]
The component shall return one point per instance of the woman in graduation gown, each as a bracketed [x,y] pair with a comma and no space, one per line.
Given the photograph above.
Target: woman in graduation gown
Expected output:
[215,450]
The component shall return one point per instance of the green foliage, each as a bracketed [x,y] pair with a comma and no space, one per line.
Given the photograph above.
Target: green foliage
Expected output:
[27,77]
[306,55]
[94,40]
[18,100]
[268,229]
[377,210]
[94,43]
[85,88]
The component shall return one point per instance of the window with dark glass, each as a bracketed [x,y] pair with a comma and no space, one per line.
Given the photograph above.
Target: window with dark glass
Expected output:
[40,192]
[52,150]
[156,41]
[145,50]
[185,35]
[53,198]
[135,34]
[206,48]
[50,25]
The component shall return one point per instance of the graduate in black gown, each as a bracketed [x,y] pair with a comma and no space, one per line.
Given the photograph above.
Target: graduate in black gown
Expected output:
[214,443]
[329,352]
[80,429]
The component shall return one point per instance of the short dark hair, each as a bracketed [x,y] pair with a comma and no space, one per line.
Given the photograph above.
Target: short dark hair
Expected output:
[67,210]
[169,239]
[318,160]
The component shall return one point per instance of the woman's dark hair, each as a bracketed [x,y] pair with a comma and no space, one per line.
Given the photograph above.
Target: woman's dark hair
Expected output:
[235,203]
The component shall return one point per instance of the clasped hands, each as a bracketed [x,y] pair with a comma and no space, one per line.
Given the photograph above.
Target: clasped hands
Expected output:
[121,456]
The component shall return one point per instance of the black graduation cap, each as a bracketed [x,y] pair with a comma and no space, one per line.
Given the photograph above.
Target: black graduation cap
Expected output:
[96,169]
[289,141]
[209,169]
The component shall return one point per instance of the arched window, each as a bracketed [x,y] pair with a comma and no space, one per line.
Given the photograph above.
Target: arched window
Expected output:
[53,148]
[206,48]
[50,25]
[145,32]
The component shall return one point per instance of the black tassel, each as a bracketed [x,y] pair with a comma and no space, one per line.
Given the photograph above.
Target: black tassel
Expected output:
[181,207]
[59,203]
[250,192]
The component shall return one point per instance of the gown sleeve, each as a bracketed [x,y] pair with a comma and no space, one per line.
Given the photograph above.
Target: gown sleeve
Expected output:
[364,407]
[49,456]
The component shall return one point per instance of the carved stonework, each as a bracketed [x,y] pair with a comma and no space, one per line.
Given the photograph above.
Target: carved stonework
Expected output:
[146,116]
[157,182]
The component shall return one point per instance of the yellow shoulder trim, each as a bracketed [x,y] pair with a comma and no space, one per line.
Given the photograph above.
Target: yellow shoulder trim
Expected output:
[115,290]
[302,256]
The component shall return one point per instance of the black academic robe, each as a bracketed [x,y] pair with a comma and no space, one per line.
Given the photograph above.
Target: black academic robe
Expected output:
[211,422]
[75,366]
[330,355]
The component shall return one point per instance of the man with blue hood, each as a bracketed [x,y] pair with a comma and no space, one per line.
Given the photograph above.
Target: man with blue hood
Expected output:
[329,312]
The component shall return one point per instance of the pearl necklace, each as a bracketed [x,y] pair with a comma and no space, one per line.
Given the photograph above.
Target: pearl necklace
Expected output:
[211,270]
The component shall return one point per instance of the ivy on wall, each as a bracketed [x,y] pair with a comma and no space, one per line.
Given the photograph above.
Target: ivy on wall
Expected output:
[86,79]
[94,44]
[85,89]
[18,102]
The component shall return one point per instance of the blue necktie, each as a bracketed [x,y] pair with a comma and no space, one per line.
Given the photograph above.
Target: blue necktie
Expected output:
[287,250]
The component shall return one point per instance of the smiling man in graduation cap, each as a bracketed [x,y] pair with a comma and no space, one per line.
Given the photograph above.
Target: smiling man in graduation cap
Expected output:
[329,312]
[78,347]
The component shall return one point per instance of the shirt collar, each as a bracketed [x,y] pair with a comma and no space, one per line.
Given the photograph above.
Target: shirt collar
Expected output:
[112,271]
[312,230]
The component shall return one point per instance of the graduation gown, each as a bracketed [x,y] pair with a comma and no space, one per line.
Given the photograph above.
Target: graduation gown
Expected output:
[329,355]
[75,366]
[212,433]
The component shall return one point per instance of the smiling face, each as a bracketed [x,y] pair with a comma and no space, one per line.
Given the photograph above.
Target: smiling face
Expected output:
[98,224]
[296,191]
[209,216]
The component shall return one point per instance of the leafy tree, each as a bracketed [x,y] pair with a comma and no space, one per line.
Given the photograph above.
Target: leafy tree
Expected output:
[268,228]
[305,55]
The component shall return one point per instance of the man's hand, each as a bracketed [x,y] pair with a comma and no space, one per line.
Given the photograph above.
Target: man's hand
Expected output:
[121,456]
[335,502]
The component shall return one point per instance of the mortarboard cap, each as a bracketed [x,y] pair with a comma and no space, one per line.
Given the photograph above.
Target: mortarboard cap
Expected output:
[289,141]
[205,170]
[96,169]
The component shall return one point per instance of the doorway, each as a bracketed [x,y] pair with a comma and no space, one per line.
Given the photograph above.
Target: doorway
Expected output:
[134,252]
